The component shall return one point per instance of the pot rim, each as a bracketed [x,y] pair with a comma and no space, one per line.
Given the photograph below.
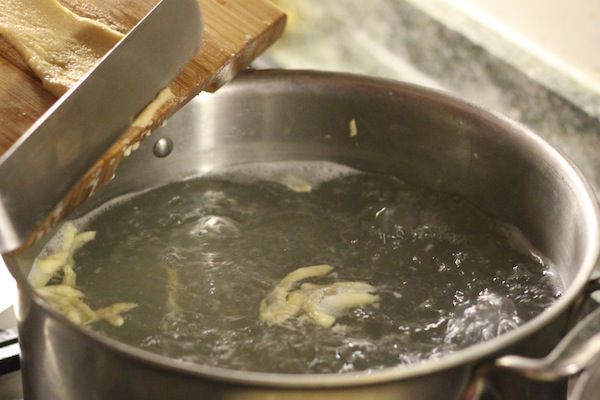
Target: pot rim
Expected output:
[459,358]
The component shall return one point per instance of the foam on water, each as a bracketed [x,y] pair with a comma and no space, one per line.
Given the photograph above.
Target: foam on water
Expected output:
[199,256]
[313,172]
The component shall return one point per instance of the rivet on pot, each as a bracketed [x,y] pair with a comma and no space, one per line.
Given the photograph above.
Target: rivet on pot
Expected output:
[163,147]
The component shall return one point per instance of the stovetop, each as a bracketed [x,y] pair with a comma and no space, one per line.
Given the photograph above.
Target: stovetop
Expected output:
[10,377]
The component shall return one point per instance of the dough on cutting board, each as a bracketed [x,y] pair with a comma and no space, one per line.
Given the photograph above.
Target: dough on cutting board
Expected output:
[58,45]
[321,304]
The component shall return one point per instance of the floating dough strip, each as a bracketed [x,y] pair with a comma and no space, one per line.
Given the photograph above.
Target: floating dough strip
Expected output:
[64,297]
[322,304]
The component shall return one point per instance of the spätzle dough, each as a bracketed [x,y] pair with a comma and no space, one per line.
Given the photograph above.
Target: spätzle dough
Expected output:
[57,262]
[295,183]
[58,45]
[322,304]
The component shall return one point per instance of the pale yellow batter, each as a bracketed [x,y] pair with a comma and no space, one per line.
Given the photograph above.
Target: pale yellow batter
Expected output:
[61,258]
[64,297]
[146,117]
[295,183]
[59,46]
[321,304]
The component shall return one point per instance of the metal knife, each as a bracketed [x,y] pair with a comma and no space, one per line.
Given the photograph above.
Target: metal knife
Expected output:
[38,171]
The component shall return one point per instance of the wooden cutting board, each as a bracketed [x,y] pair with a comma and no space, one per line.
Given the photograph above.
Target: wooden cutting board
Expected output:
[235,32]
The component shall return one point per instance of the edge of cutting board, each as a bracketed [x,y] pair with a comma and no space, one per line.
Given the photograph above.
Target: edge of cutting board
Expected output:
[235,32]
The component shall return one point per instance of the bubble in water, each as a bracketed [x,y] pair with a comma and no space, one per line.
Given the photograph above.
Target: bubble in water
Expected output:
[485,318]
[172,257]
[217,226]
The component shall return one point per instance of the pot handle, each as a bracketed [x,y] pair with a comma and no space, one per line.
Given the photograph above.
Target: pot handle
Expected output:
[579,349]
[576,351]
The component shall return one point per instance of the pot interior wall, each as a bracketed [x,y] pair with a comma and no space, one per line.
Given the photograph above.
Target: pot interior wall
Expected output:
[424,138]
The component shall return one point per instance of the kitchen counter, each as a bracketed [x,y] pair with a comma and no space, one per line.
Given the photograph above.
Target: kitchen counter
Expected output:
[398,39]
[554,42]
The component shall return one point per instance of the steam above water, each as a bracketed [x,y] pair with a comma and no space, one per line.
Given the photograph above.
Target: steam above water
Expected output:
[199,256]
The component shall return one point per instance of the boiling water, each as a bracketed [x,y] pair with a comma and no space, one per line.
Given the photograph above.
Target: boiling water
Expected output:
[199,256]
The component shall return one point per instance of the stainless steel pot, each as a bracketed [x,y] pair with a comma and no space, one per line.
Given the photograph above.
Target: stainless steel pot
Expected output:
[422,136]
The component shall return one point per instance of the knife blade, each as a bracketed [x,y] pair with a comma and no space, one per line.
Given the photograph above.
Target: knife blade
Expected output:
[38,171]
